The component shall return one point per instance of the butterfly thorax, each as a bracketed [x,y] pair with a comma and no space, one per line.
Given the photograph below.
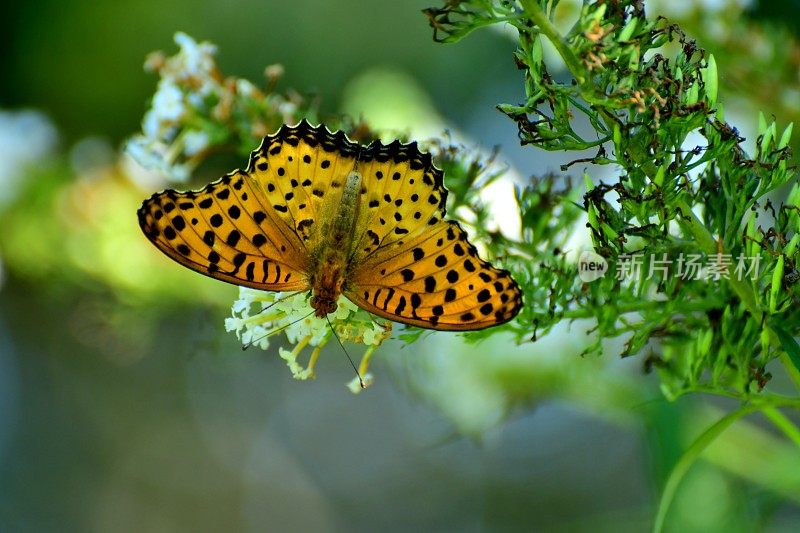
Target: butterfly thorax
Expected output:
[331,258]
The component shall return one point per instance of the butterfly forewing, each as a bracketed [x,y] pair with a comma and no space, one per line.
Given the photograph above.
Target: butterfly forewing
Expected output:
[302,171]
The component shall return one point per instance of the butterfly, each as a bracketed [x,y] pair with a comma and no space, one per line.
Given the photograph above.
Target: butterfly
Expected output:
[316,211]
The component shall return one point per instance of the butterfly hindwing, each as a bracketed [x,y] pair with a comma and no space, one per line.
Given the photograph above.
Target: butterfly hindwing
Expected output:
[436,281]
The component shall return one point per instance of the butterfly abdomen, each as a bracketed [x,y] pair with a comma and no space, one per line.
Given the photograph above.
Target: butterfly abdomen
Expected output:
[332,257]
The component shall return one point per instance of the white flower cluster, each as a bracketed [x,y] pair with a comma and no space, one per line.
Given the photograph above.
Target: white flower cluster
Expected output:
[196,108]
[258,315]
[189,83]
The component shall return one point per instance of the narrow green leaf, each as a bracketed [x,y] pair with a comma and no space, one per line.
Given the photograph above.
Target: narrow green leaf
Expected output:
[786,136]
[711,80]
[693,93]
[587,180]
[537,53]
[720,112]
[789,344]
[659,179]
[600,13]
[628,30]
[792,246]
[777,278]
[769,136]
[609,231]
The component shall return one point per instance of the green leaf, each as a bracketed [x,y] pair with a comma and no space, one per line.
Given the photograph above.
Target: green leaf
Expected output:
[711,80]
[792,246]
[786,136]
[628,30]
[789,344]
[762,123]
[777,277]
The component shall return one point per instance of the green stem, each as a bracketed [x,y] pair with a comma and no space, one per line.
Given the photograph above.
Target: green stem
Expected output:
[783,423]
[791,369]
[538,17]
[763,400]
[688,458]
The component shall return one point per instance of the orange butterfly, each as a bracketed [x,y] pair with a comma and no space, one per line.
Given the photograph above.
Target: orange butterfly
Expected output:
[314,210]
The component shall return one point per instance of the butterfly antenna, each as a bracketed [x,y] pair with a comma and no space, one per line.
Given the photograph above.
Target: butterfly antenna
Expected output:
[264,336]
[358,157]
[360,380]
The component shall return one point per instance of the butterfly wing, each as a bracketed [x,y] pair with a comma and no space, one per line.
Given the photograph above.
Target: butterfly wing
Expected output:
[225,232]
[256,227]
[411,265]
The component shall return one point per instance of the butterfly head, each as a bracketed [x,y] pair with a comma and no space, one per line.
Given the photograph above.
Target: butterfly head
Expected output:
[323,305]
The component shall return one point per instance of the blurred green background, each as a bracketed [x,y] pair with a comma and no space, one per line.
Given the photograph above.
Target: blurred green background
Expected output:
[124,406]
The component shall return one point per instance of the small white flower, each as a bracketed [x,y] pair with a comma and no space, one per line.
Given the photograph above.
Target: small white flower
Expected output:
[195,59]
[149,154]
[369,336]
[287,110]
[195,142]
[255,336]
[355,385]
[344,309]
[151,125]
[180,173]
[240,305]
[234,323]
[291,360]
[197,96]
[245,88]
[156,155]
[274,71]
[249,296]
[297,370]
[168,102]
